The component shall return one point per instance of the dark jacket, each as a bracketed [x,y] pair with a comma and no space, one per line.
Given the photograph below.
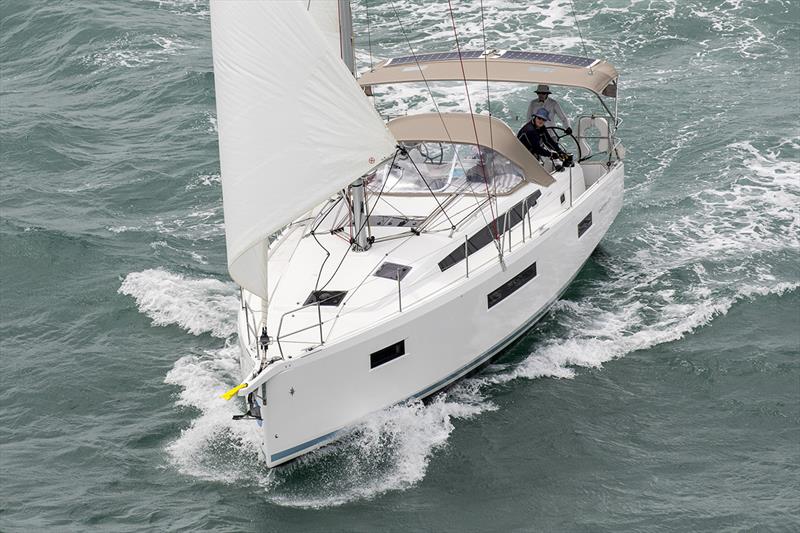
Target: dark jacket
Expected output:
[538,140]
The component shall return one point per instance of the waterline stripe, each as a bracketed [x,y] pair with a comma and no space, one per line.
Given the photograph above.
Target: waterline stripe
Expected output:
[300,447]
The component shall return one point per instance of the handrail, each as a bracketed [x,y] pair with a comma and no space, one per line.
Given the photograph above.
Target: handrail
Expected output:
[617,142]
[526,215]
[279,336]
[526,206]
[399,291]
[610,138]
[250,327]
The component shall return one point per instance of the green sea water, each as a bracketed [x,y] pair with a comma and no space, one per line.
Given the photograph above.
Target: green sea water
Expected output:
[661,394]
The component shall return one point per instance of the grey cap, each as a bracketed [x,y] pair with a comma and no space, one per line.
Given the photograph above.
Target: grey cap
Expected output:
[543,89]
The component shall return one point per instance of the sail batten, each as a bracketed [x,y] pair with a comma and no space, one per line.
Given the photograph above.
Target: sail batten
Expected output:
[294,126]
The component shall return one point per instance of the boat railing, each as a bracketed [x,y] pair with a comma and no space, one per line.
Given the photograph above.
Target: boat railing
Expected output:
[318,324]
[524,235]
[525,220]
[609,137]
[249,319]
[613,151]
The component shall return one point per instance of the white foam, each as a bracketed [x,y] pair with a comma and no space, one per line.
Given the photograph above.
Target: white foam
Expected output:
[389,450]
[214,446]
[643,305]
[201,222]
[682,274]
[204,180]
[131,51]
[196,305]
[162,247]
[509,24]
[185,7]
[212,123]
[123,228]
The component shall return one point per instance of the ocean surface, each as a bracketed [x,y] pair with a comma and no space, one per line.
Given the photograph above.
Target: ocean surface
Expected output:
[661,394]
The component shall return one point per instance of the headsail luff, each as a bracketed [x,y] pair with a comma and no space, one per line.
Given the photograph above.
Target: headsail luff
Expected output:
[294,126]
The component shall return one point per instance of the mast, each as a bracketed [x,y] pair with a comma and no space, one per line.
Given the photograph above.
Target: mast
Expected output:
[346,35]
[358,203]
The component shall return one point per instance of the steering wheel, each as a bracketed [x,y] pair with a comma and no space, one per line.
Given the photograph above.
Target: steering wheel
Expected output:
[563,134]
[428,158]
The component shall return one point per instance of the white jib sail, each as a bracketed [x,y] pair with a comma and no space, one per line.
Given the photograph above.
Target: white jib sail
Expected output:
[294,126]
[326,15]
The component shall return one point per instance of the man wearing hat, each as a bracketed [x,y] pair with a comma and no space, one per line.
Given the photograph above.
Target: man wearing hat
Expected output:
[537,139]
[553,108]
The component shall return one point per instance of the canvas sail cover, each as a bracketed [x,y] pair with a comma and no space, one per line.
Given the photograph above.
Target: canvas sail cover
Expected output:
[294,125]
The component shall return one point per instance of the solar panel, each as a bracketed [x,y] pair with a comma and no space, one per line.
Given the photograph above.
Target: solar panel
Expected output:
[436,56]
[541,57]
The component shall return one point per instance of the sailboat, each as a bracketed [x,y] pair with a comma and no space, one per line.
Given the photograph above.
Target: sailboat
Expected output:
[381,261]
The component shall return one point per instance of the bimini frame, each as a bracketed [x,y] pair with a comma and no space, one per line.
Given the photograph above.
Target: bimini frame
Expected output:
[595,75]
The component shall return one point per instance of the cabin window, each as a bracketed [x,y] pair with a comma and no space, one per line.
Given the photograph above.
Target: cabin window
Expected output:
[585,224]
[484,235]
[446,168]
[387,354]
[509,287]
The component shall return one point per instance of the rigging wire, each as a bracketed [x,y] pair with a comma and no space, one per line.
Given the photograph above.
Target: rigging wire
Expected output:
[350,246]
[336,271]
[322,218]
[430,93]
[427,87]
[580,34]
[472,116]
[488,96]
[425,80]
[441,208]
[352,292]
[369,36]
[380,193]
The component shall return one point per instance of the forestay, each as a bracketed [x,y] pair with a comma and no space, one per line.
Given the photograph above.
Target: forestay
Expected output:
[294,126]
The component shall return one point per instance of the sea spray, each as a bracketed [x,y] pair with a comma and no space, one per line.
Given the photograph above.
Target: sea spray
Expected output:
[196,305]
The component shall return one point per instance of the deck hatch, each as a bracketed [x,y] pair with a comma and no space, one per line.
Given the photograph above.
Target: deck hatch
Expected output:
[511,286]
[585,224]
[387,354]
[392,271]
[332,298]
[484,235]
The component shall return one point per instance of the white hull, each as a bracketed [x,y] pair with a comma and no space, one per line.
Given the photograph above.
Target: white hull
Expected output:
[313,397]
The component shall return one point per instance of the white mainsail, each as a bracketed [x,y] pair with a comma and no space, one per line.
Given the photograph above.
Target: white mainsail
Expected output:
[294,126]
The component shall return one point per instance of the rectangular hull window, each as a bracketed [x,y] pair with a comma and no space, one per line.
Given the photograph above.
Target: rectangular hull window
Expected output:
[486,234]
[585,224]
[511,286]
[387,354]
